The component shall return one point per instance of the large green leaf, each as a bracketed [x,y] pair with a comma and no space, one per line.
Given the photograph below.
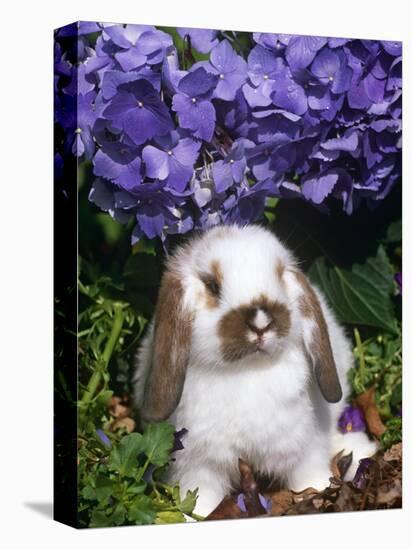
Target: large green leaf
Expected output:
[361,296]
[158,442]
[123,458]
[141,511]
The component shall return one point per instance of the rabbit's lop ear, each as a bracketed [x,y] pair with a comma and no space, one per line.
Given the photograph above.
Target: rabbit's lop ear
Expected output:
[171,349]
[317,343]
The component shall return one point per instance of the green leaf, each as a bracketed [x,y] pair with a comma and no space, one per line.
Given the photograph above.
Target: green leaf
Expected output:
[104,487]
[394,233]
[119,514]
[189,502]
[361,296]
[396,397]
[169,517]
[88,492]
[141,511]
[137,488]
[157,442]
[99,519]
[123,458]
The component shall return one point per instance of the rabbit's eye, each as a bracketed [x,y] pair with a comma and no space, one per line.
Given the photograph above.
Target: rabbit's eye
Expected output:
[212,286]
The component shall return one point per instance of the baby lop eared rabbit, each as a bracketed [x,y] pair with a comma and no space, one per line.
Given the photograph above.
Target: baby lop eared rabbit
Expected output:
[245,353]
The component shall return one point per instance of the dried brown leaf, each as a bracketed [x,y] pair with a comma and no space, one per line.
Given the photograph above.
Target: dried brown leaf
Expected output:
[227,509]
[345,501]
[366,401]
[394,453]
[128,423]
[281,501]
[340,464]
[390,494]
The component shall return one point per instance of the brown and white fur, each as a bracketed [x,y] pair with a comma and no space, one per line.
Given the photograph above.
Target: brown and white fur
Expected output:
[246,355]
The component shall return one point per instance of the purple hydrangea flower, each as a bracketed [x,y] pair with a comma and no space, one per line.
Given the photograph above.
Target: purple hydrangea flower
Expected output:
[193,103]
[139,112]
[171,159]
[351,420]
[229,67]
[140,44]
[322,116]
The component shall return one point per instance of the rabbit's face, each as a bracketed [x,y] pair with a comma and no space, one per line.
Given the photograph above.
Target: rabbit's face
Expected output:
[232,297]
[240,297]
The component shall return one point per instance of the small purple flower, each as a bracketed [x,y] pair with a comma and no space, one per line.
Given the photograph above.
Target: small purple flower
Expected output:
[138,110]
[351,420]
[264,70]
[140,44]
[192,103]
[229,67]
[359,480]
[240,502]
[332,70]
[103,438]
[171,160]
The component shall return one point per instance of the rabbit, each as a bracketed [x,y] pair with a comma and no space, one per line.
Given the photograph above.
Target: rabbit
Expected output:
[246,355]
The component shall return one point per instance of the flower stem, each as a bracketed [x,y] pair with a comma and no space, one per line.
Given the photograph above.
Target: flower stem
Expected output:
[359,347]
[95,379]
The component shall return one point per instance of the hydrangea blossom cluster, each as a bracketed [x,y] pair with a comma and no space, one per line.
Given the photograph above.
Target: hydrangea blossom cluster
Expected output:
[184,137]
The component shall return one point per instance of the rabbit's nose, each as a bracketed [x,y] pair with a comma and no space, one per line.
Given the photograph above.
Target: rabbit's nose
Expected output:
[260,323]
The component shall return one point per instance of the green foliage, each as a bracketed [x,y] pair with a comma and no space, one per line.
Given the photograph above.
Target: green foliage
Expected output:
[119,474]
[361,296]
[121,488]
[379,364]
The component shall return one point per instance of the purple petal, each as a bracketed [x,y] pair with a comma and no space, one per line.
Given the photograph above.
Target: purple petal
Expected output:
[302,49]
[346,143]
[103,438]
[255,96]
[131,59]
[240,502]
[222,175]
[127,174]
[197,83]
[156,161]
[291,97]
[179,175]
[317,189]
[325,65]
[186,151]
[203,40]
[223,57]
